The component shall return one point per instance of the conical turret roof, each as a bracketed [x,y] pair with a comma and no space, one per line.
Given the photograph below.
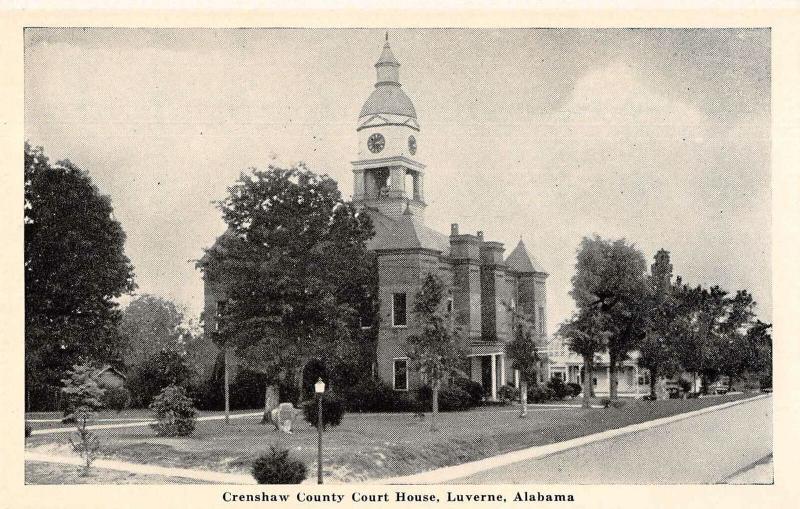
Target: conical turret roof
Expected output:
[521,261]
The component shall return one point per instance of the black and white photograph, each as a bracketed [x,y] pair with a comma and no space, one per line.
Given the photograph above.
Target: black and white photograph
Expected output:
[397,256]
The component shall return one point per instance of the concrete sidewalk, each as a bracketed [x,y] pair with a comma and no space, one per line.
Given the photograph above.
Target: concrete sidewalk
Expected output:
[141,423]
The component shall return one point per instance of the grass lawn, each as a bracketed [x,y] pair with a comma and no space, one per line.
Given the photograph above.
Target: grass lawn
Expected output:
[48,420]
[370,446]
[53,473]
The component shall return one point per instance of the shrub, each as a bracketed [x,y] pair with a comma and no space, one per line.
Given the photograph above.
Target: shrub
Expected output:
[332,411]
[617,403]
[605,402]
[81,391]
[474,389]
[508,393]
[28,430]
[174,411]
[451,399]
[276,467]
[574,389]
[539,394]
[557,388]
[116,398]
[376,396]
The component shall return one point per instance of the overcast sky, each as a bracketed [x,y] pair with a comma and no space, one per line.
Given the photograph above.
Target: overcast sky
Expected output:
[657,136]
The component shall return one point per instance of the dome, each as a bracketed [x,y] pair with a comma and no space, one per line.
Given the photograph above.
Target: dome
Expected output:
[388,99]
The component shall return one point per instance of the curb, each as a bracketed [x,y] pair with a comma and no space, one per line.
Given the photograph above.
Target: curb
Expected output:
[445,474]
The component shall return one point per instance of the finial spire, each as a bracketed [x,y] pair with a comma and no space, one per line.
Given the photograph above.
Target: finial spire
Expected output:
[387,36]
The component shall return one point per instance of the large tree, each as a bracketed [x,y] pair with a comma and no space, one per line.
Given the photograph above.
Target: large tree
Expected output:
[434,349]
[150,325]
[656,351]
[294,267]
[75,269]
[586,333]
[610,278]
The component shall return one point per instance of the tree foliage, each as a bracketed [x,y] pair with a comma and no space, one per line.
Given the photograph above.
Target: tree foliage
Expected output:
[75,267]
[434,348]
[151,325]
[294,267]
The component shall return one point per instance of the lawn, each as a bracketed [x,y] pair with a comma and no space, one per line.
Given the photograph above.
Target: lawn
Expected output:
[373,446]
[53,473]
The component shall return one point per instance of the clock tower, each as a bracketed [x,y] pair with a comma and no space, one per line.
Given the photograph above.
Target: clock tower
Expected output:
[387,175]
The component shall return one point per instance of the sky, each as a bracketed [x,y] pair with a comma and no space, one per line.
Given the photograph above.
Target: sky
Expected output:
[660,137]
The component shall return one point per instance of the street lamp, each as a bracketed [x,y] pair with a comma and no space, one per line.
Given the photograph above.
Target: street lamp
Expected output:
[319,388]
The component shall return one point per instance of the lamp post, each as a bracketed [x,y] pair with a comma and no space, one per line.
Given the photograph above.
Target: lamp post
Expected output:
[319,388]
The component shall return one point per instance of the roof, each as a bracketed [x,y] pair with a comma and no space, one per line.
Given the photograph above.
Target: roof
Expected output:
[521,261]
[110,368]
[388,97]
[406,232]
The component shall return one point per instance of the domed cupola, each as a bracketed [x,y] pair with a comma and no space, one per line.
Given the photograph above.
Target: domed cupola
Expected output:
[388,98]
[387,174]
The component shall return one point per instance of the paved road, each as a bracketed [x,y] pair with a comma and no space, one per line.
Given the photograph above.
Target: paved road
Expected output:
[705,449]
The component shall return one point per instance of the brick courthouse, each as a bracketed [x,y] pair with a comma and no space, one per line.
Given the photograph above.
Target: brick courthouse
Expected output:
[482,284]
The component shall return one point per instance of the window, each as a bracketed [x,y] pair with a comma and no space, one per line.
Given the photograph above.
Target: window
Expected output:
[399,310]
[594,382]
[644,379]
[558,374]
[401,374]
[541,320]
[449,305]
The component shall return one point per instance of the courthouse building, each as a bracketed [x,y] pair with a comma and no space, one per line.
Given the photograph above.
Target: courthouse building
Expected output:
[483,284]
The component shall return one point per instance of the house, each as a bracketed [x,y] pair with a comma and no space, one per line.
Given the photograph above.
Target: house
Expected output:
[109,377]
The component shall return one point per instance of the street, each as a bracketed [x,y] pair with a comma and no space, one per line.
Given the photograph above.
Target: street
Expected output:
[704,449]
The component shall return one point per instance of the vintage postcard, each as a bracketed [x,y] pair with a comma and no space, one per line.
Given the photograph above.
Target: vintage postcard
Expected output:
[493,263]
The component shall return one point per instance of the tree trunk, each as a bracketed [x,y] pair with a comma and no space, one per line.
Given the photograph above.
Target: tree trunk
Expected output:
[523,397]
[270,402]
[730,383]
[653,386]
[612,377]
[434,404]
[587,381]
[227,387]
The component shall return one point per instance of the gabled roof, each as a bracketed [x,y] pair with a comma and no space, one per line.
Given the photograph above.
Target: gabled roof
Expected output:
[520,261]
[110,368]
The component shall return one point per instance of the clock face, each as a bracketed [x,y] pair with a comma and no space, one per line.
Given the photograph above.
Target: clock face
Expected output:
[375,143]
[412,145]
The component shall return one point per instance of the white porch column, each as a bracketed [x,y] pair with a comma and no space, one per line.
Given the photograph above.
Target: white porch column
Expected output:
[494,377]
[516,378]
[636,378]
[502,369]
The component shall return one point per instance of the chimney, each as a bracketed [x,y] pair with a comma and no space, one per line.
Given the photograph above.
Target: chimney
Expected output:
[454,229]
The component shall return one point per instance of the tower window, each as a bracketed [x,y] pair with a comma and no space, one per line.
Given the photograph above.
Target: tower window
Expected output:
[449,305]
[399,310]
[400,374]
[541,320]
[221,305]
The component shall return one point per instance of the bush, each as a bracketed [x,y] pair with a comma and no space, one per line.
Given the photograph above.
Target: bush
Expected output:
[160,370]
[539,394]
[557,388]
[451,399]
[28,430]
[276,467]
[116,398]
[376,396]
[332,411]
[574,389]
[474,389]
[616,403]
[508,393]
[174,411]
[605,402]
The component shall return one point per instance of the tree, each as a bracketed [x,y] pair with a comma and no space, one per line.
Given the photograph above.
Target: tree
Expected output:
[734,352]
[610,277]
[434,350]
[151,325]
[84,397]
[295,270]
[75,267]
[525,359]
[160,370]
[656,351]
[587,334]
